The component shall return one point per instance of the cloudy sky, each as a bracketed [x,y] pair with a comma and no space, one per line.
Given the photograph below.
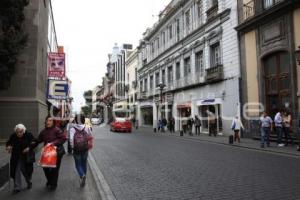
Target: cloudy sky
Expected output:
[89,29]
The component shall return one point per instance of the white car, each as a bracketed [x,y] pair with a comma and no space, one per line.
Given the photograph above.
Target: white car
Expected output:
[95,120]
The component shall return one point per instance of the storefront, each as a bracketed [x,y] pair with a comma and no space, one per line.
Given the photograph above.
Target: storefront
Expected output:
[210,113]
[184,112]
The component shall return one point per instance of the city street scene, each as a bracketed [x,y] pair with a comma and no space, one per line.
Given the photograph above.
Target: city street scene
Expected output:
[150,99]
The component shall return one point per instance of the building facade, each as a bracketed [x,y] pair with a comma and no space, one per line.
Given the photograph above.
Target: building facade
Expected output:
[25,100]
[189,65]
[269,34]
[131,82]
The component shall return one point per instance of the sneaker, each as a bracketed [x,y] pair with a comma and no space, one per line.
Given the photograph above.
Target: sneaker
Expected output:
[262,146]
[16,191]
[280,145]
[82,183]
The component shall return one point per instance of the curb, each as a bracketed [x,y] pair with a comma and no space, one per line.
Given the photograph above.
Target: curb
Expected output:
[243,147]
[102,185]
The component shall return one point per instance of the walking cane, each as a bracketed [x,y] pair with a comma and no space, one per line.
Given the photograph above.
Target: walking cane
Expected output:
[9,175]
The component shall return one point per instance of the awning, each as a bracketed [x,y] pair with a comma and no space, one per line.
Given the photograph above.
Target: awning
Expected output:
[209,102]
[184,105]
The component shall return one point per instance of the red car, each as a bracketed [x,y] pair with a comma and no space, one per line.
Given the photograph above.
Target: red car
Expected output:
[121,125]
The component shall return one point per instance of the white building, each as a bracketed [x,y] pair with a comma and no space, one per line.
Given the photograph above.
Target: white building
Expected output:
[193,52]
[131,81]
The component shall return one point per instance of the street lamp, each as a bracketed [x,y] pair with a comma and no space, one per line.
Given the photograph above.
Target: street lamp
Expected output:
[297,55]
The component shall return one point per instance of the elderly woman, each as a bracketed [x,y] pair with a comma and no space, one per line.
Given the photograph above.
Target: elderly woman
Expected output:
[20,145]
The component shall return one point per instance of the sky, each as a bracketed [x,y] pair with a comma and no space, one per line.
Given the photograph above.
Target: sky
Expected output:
[89,29]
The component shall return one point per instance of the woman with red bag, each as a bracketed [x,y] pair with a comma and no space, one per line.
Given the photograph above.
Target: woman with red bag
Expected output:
[81,142]
[52,135]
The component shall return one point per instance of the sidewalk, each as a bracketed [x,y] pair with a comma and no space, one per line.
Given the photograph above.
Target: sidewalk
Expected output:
[245,142]
[4,159]
[68,185]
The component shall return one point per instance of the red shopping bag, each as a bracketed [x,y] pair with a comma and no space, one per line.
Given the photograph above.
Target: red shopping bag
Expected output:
[48,156]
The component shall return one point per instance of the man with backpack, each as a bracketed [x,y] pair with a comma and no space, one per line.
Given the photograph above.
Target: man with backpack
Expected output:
[81,142]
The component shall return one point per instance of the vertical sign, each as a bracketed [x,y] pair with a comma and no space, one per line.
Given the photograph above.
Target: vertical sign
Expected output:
[56,65]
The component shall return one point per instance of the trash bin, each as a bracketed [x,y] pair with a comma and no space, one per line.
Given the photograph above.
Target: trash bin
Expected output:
[181,133]
[231,139]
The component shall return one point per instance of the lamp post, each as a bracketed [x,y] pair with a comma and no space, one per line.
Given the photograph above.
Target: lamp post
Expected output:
[161,87]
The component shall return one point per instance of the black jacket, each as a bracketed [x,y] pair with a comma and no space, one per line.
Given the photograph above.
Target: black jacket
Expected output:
[18,145]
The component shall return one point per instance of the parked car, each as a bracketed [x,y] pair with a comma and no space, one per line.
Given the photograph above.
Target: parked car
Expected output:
[121,125]
[95,120]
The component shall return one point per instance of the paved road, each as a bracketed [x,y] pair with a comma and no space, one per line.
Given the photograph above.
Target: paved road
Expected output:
[143,165]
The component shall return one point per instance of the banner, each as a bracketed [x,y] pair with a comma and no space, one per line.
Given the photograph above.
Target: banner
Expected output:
[56,65]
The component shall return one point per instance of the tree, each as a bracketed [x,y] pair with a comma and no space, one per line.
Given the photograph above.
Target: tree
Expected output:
[88,96]
[12,37]
[86,110]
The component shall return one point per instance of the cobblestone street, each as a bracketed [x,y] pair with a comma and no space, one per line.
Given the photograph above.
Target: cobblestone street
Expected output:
[144,165]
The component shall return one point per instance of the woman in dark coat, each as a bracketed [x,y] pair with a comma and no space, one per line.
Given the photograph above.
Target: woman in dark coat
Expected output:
[20,145]
[53,135]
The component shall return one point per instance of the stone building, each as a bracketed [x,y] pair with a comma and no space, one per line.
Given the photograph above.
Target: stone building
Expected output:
[25,100]
[269,34]
[190,64]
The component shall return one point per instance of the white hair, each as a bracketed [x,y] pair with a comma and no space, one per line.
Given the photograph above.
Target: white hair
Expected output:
[20,127]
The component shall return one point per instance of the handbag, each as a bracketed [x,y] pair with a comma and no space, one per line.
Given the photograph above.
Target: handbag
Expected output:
[60,150]
[30,157]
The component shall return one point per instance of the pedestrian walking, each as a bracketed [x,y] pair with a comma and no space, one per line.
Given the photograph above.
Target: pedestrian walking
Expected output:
[69,126]
[287,127]
[212,123]
[266,127]
[279,127]
[197,125]
[80,136]
[184,124]
[190,124]
[52,135]
[236,126]
[164,124]
[172,124]
[20,145]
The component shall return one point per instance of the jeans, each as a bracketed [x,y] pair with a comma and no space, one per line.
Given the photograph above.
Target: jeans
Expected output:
[265,135]
[287,135]
[81,162]
[279,132]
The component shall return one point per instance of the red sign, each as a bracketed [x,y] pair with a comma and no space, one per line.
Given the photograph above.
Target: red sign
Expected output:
[56,65]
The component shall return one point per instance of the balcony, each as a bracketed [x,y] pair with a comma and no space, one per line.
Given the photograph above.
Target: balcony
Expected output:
[262,8]
[213,10]
[248,10]
[215,73]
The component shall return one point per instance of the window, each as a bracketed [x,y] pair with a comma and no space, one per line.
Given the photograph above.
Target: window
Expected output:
[157,79]
[188,21]
[199,63]
[170,32]
[141,86]
[151,82]
[146,85]
[178,29]
[157,43]
[152,47]
[170,74]
[215,55]
[187,66]
[177,70]
[163,38]
[163,77]
[199,11]
[270,3]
